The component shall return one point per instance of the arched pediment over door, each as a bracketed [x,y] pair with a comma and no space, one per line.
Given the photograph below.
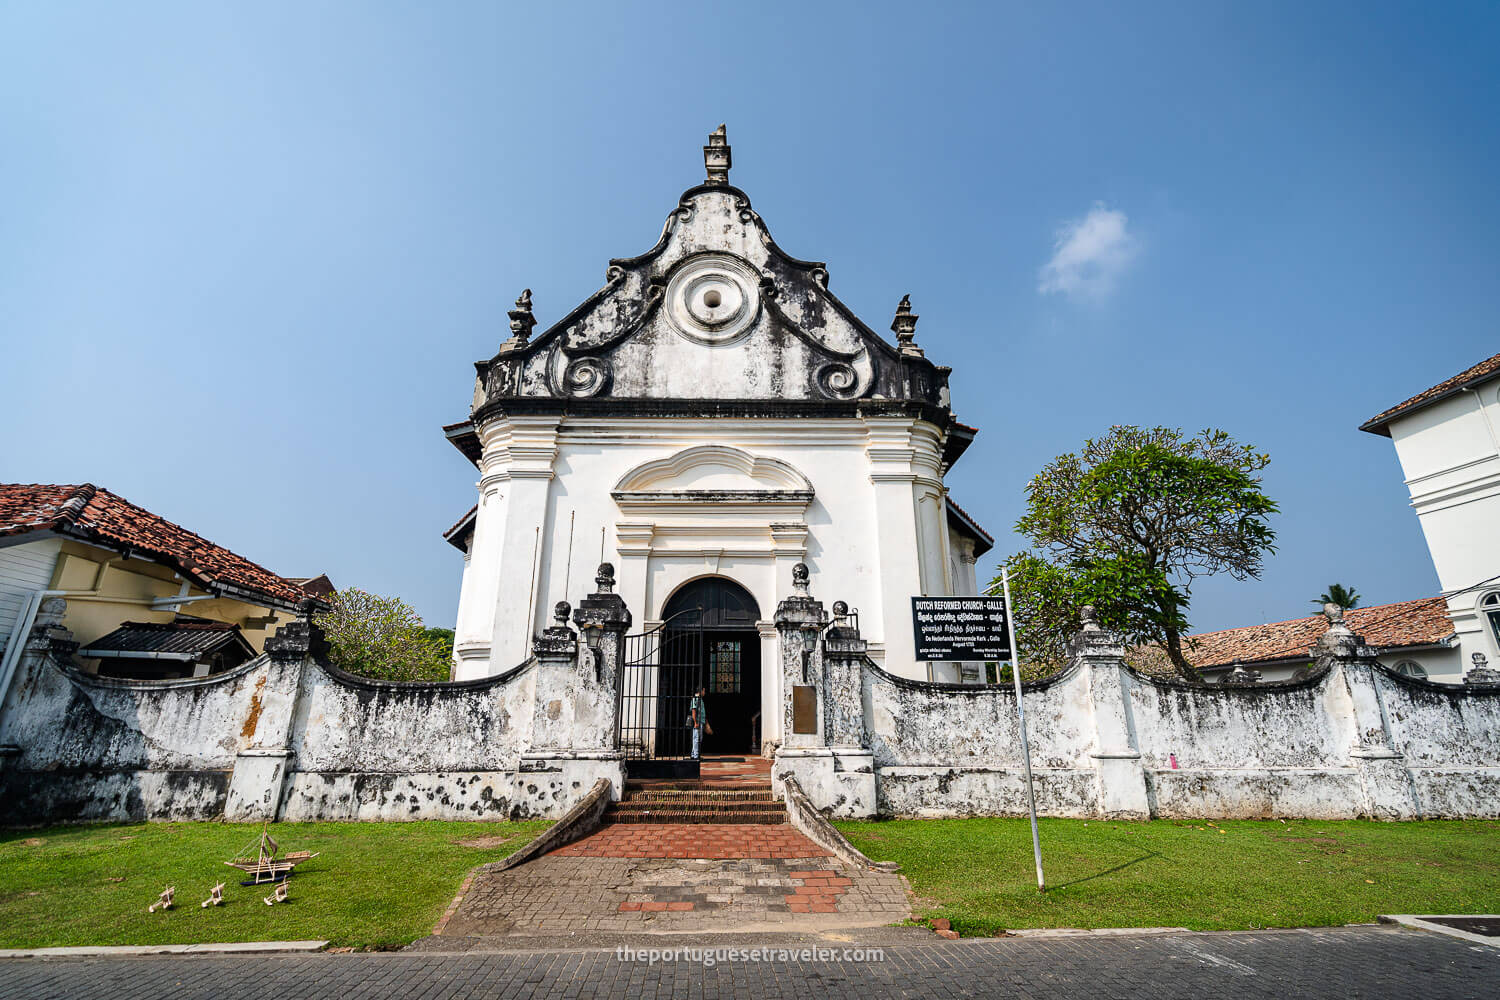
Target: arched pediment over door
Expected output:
[714,471]
[714,485]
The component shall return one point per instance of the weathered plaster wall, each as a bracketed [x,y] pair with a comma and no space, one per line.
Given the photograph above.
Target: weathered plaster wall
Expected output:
[366,750]
[290,737]
[1108,741]
[1450,740]
[915,722]
[93,748]
[955,749]
[286,735]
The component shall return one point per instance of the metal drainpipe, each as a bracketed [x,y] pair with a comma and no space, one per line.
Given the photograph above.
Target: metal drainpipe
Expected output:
[26,618]
[1484,413]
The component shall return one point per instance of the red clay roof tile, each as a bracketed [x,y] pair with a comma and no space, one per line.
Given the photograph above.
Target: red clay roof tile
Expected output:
[1380,423]
[1407,623]
[102,518]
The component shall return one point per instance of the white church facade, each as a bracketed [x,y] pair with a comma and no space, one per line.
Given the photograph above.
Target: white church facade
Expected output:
[1447,439]
[707,420]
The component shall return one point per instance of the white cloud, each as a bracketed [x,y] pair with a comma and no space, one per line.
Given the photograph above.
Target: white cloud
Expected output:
[1090,255]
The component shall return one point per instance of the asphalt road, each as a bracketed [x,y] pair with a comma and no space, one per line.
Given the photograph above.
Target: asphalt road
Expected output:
[1325,963]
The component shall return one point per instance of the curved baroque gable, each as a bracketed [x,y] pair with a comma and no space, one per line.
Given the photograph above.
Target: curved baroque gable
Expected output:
[714,311]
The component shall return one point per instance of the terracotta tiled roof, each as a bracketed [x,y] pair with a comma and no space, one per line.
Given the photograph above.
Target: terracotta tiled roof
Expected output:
[1379,424]
[100,517]
[1385,626]
[318,586]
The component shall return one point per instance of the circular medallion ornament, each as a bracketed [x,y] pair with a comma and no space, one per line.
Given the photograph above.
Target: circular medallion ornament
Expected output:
[586,376]
[713,298]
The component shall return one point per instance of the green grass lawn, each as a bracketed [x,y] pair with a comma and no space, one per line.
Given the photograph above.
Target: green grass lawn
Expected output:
[374,884]
[979,873]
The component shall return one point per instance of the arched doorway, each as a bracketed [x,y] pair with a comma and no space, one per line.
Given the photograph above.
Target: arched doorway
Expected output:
[725,614]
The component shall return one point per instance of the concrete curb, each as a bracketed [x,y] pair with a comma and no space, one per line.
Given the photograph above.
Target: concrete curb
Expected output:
[125,950]
[1424,923]
[1057,932]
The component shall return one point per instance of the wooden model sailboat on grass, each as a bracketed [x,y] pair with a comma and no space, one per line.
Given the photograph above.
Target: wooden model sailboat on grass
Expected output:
[268,865]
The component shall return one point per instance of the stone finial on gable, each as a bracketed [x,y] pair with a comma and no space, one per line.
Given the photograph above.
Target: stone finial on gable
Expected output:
[905,327]
[800,577]
[716,157]
[521,322]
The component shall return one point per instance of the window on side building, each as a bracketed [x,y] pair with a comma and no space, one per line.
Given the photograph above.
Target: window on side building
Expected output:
[1489,607]
[1411,668]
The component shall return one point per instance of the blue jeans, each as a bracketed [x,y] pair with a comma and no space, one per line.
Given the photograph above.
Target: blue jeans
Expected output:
[697,739]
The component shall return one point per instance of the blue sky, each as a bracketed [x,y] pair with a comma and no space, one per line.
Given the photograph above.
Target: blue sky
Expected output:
[248,253]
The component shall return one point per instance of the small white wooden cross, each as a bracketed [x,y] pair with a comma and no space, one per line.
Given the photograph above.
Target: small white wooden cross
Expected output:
[215,896]
[279,896]
[164,901]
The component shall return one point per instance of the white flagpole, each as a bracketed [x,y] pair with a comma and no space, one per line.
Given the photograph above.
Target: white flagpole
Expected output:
[1015,670]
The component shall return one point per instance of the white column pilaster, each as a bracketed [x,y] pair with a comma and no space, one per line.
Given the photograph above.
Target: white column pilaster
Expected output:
[519,453]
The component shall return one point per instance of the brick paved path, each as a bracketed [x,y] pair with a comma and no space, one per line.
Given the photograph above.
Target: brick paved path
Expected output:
[692,840]
[1350,962]
[557,894]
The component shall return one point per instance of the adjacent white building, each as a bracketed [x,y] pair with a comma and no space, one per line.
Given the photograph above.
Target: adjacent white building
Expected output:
[709,418]
[1448,442]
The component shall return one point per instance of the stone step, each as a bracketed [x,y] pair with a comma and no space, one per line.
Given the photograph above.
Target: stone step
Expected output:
[731,788]
[762,817]
[698,795]
[694,805]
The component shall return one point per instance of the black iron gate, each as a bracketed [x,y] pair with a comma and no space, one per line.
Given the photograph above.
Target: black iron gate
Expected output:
[664,667]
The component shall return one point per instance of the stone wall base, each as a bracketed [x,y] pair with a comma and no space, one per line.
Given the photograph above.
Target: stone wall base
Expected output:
[255,786]
[838,781]
[39,798]
[549,784]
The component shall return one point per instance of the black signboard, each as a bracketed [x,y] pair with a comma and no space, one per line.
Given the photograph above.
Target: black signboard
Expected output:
[960,628]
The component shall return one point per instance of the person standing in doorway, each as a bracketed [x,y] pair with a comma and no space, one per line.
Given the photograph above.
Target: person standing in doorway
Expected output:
[698,719]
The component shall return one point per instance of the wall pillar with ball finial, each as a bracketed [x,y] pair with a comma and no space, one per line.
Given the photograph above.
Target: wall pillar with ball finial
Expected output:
[573,733]
[823,715]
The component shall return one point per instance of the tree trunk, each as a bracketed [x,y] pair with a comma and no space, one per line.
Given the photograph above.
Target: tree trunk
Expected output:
[1179,662]
[1174,643]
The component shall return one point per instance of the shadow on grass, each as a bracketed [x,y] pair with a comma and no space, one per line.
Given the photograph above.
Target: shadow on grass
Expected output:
[1108,871]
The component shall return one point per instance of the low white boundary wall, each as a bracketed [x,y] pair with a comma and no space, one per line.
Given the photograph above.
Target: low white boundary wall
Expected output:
[1352,740]
[288,736]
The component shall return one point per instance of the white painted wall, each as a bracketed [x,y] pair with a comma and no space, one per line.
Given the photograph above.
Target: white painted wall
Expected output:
[23,568]
[873,531]
[1450,455]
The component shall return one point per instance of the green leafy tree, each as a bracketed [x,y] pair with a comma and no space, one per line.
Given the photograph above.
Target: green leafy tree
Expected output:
[383,638]
[1127,524]
[1337,593]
